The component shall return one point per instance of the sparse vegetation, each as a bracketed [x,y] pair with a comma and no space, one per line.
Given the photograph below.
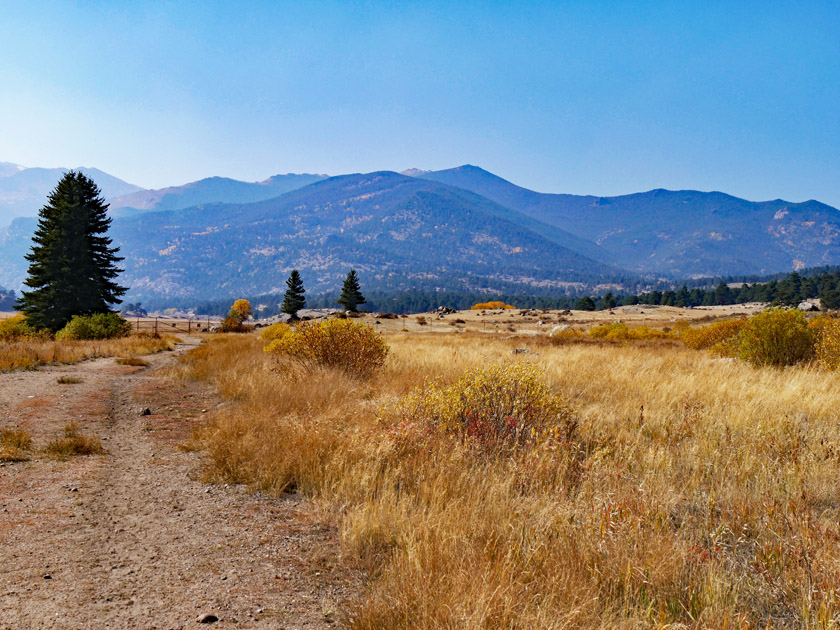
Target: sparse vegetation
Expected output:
[73,443]
[15,445]
[690,493]
[135,361]
[69,380]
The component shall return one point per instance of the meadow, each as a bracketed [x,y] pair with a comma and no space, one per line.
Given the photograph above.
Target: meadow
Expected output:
[684,491]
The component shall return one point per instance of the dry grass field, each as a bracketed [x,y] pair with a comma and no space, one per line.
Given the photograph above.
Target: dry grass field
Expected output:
[27,354]
[541,321]
[688,492]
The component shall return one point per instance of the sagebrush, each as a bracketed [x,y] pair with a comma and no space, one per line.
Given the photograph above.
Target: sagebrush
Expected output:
[342,344]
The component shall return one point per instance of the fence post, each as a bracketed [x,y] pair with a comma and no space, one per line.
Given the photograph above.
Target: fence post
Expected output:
[138,324]
[156,324]
[189,326]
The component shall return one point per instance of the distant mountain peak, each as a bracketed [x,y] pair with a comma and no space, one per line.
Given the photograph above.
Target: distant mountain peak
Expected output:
[10,168]
[414,172]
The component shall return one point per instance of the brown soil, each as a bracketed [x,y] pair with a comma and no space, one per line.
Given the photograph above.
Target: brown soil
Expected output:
[133,538]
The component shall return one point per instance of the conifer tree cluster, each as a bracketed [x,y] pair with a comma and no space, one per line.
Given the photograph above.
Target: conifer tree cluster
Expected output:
[294,298]
[72,266]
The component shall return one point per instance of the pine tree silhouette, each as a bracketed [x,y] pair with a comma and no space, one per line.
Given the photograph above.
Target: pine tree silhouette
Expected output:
[351,296]
[293,300]
[72,266]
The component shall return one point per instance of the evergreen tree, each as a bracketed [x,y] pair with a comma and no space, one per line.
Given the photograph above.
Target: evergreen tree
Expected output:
[608,301]
[586,303]
[293,300]
[351,296]
[723,294]
[72,267]
[682,297]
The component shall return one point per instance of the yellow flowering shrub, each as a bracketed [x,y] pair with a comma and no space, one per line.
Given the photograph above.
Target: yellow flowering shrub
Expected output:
[776,337]
[488,306]
[16,327]
[492,407]
[712,335]
[828,343]
[275,331]
[568,335]
[619,331]
[350,346]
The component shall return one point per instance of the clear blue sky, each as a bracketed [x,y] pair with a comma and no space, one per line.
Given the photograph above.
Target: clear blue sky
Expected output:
[581,97]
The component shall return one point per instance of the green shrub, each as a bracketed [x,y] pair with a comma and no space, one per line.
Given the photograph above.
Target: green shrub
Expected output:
[337,343]
[493,407]
[776,337]
[96,326]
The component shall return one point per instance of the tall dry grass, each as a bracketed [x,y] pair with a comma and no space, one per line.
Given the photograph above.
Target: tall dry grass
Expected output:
[27,354]
[702,493]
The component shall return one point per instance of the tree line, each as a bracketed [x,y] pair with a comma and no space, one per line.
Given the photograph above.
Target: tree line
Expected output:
[789,291]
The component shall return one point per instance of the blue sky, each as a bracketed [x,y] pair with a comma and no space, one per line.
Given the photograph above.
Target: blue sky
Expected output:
[581,97]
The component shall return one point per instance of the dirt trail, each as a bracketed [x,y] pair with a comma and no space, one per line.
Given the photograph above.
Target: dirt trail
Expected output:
[131,539]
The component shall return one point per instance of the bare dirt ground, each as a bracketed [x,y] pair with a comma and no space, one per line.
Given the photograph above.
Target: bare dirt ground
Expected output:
[132,538]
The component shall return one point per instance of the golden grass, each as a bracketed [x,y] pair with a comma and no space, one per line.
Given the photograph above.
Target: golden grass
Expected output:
[72,443]
[701,492]
[14,445]
[29,354]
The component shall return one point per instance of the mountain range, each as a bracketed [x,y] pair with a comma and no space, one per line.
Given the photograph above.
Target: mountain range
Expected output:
[24,190]
[461,229]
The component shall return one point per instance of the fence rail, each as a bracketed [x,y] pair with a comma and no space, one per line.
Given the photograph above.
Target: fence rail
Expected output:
[172,325]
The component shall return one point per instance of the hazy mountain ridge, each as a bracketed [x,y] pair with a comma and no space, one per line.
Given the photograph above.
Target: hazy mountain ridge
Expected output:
[211,190]
[676,232]
[23,191]
[398,232]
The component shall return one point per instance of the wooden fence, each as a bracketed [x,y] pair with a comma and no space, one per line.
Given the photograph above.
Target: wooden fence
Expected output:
[173,325]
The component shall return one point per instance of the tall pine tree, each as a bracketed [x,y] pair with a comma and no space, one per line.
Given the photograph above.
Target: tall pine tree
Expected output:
[294,300]
[72,266]
[351,295]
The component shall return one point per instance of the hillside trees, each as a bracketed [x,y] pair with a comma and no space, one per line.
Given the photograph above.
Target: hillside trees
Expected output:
[72,266]
[351,294]
[293,299]
[586,303]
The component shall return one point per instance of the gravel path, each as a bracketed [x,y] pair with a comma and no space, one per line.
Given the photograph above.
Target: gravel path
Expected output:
[132,538]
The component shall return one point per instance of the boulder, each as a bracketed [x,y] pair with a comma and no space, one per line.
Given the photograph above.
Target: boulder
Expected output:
[559,329]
